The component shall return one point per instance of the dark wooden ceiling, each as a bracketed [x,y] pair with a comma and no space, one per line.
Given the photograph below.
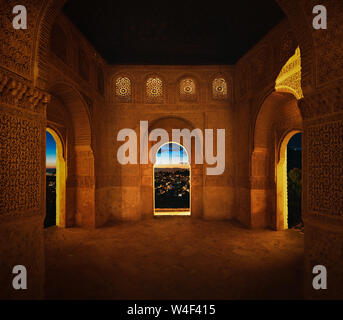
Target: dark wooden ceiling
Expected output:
[173,32]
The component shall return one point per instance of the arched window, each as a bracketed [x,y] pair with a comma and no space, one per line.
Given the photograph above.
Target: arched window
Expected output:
[123,89]
[219,89]
[83,65]
[154,90]
[187,90]
[58,43]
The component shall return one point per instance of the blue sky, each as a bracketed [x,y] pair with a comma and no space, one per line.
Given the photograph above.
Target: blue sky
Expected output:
[295,142]
[50,151]
[171,153]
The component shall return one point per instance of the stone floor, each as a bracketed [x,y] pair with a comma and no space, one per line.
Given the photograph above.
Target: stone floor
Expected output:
[173,258]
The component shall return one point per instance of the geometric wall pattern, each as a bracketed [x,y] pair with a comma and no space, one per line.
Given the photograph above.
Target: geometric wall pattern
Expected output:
[123,89]
[325,168]
[187,90]
[219,89]
[154,90]
[20,164]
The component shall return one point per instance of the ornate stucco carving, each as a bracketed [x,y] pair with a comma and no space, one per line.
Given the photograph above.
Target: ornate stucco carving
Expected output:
[323,101]
[17,47]
[325,168]
[22,94]
[289,79]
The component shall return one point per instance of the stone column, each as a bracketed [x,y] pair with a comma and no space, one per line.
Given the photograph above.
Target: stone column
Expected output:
[81,188]
[323,192]
[262,189]
[322,65]
[22,187]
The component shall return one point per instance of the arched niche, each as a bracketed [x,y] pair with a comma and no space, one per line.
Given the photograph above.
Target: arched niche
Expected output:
[70,113]
[59,43]
[278,115]
[146,208]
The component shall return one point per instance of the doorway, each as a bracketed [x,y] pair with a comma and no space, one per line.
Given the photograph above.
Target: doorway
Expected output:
[172,186]
[55,180]
[289,181]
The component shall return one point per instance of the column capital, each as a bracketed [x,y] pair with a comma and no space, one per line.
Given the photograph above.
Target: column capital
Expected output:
[22,94]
